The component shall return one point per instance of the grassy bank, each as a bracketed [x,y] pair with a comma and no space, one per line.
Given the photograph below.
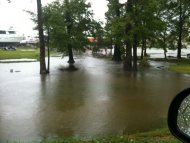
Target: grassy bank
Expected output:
[180,66]
[19,54]
[154,136]
[24,53]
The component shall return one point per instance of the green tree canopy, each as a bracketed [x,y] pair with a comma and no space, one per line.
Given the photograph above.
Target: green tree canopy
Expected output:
[69,23]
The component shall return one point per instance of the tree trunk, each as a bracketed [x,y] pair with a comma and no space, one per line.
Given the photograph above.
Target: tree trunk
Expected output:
[111,43]
[71,59]
[142,53]
[135,53]
[117,54]
[48,38]
[165,53]
[69,28]
[164,48]
[145,48]
[142,50]
[41,37]
[179,46]
[128,59]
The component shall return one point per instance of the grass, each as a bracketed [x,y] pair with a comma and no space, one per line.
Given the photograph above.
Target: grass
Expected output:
[19,54]
[181,66]
[23,53]
[154,136]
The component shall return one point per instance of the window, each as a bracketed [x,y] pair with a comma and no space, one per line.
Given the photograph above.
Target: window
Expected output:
[12,32]
[2,32]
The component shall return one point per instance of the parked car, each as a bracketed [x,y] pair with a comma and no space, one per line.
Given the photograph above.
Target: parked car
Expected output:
[10,48]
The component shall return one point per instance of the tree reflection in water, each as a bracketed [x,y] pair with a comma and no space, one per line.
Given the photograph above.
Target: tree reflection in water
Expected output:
[183,120]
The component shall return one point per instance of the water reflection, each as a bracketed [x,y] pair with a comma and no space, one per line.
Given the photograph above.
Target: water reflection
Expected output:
[97,99]
[183,119]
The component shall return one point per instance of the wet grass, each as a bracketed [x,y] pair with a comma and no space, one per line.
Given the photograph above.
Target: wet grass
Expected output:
[154,136]
[181,66]
[23,53]
[19,54]
[172,60]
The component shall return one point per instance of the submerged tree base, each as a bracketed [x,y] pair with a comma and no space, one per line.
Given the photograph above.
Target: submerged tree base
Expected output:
[71,61]
[69,68]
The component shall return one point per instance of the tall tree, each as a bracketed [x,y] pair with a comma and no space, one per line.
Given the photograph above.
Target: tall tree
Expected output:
[180,19]
[128,41]
[141,24]
[162,33]
[113,16]
[41,37]
[69,21]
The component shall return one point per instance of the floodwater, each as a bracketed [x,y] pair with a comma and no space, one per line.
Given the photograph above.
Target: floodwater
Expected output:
[97,99]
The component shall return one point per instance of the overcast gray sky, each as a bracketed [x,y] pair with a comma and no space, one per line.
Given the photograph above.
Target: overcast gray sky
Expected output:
[12,14]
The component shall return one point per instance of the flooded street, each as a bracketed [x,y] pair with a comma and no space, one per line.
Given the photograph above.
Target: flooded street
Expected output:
[97,99]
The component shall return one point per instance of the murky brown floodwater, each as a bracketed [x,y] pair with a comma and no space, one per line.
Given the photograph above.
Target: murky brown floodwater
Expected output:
[98,99]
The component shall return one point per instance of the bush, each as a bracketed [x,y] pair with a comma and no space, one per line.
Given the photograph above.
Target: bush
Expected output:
[144,62]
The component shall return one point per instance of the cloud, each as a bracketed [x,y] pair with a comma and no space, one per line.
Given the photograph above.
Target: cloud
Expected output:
[12,14]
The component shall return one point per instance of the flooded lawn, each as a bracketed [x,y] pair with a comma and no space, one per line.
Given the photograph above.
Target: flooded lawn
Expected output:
[98,99]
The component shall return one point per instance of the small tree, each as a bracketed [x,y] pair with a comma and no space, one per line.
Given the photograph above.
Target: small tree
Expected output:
[69,21]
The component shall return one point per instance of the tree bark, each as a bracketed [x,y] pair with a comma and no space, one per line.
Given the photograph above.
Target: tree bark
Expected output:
[135,53]
[41,37]
[71,59]
[142,50]
[164,48]
[69,28]
[128,59]
[117,54]
[48,38]
[179,46]
[145,48]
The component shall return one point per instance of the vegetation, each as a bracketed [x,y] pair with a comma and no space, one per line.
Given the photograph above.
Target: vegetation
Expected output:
[114,33]
[130,24]
[155,136]
[152,23]
[134,23]
[179,22]
[70,23]
[19,54]
[67,24]
[178,65]
[180,68]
